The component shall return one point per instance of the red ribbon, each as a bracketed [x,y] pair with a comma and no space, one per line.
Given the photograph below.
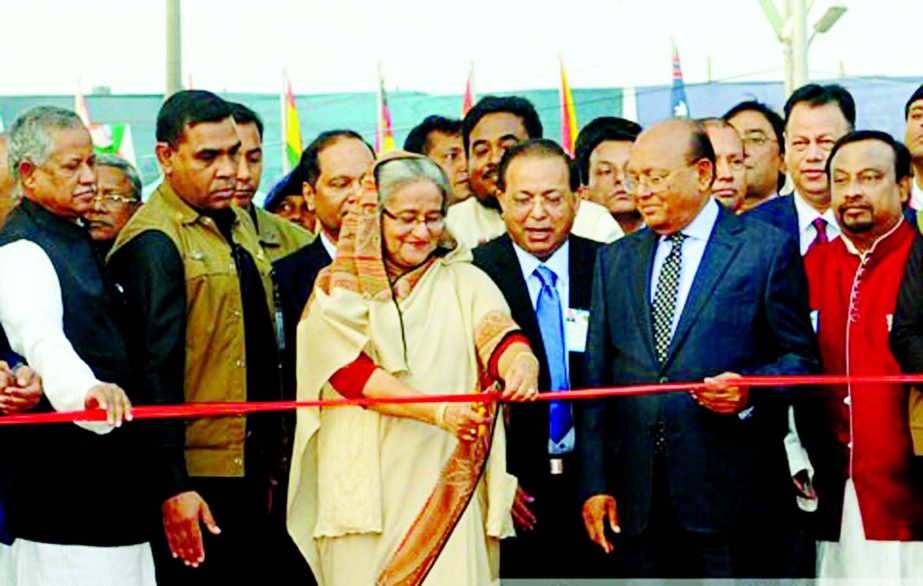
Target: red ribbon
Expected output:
[193,410]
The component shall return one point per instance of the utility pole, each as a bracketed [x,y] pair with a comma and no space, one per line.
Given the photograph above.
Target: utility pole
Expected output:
[787,47]
[791,29]
[174,49]
[799,42]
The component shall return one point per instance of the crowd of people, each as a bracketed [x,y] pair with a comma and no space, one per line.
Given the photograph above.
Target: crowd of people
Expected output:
[482,257]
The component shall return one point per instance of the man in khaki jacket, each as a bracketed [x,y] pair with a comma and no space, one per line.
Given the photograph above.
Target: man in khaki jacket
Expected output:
[198,289]
[277,236]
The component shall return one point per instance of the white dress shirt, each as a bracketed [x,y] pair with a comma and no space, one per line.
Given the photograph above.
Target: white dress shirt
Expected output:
[697,234]
[329,246]
[916,195]
[806,230]
[558,263]
[32,315]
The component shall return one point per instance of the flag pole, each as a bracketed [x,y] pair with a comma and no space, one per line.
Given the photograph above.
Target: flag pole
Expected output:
[283,128]
[379,131]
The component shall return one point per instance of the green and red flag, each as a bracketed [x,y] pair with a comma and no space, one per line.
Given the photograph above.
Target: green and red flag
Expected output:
[291,127]
[568,115]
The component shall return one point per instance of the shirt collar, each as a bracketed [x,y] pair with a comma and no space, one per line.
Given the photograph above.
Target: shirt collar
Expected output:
[701,226]
[807,214]
[916,194]
[329,246]
[557,262]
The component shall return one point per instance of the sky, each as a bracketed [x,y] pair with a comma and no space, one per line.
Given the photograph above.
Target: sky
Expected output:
[58,46]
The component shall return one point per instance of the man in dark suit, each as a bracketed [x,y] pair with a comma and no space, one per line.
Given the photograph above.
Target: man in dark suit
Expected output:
[695,481]
[537,183]
[331,170]
[816,117]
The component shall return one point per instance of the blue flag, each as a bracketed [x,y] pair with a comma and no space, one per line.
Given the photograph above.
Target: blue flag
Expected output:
[679,107]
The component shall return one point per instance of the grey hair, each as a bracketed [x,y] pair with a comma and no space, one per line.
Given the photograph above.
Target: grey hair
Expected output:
[30,137]
[393,175]
[117,162]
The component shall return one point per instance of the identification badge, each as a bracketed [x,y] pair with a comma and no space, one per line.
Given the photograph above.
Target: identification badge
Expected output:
[576,326]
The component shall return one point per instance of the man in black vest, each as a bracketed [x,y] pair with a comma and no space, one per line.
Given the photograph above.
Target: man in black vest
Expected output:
[70,486]
[545,274]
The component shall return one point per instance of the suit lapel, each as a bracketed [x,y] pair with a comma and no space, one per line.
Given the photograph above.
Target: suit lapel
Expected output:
[640,284]
[510,272]
[319,257]
[720,250]
[793,217]
[581,273]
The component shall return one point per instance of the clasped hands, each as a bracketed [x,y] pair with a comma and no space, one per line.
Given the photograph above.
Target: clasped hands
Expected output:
[20,391]
[721,395]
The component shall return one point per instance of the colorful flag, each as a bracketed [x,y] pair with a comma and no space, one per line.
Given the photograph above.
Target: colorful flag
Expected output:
[568,115]
[384,137]
[468,101]
[678,104]
[115,139]
[292,146]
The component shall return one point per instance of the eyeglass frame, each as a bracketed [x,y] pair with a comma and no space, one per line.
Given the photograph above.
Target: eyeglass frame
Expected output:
[418,219]
[114,197]
[662,182]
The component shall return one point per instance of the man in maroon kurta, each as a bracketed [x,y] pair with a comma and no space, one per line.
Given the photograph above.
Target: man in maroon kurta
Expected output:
[858,435]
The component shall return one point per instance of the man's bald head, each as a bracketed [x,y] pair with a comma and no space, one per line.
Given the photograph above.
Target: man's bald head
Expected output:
[670,171]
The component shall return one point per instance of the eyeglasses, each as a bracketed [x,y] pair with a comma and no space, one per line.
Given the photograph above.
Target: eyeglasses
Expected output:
[112,202]
[653,182]
[525,203]
[756,140]
[407,221]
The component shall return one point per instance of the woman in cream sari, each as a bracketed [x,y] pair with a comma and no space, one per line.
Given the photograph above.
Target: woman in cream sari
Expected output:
[404,493]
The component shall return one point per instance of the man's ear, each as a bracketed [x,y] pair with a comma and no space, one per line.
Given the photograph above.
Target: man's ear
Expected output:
[904,187]
[165,155]
[26,172]
[706,171]
[307,193]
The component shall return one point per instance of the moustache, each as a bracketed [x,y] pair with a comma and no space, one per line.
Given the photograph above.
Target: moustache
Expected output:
[860,205]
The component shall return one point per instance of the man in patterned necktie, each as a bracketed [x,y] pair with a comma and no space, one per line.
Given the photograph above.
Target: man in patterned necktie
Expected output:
[694,482]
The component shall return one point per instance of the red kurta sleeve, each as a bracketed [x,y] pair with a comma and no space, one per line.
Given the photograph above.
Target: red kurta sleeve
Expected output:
[352,378]
[493,365]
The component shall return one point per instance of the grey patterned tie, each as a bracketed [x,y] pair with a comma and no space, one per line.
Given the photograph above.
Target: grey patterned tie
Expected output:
[664,305]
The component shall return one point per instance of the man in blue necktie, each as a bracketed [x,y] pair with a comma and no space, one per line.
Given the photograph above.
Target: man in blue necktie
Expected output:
[545,275]
[695,483]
